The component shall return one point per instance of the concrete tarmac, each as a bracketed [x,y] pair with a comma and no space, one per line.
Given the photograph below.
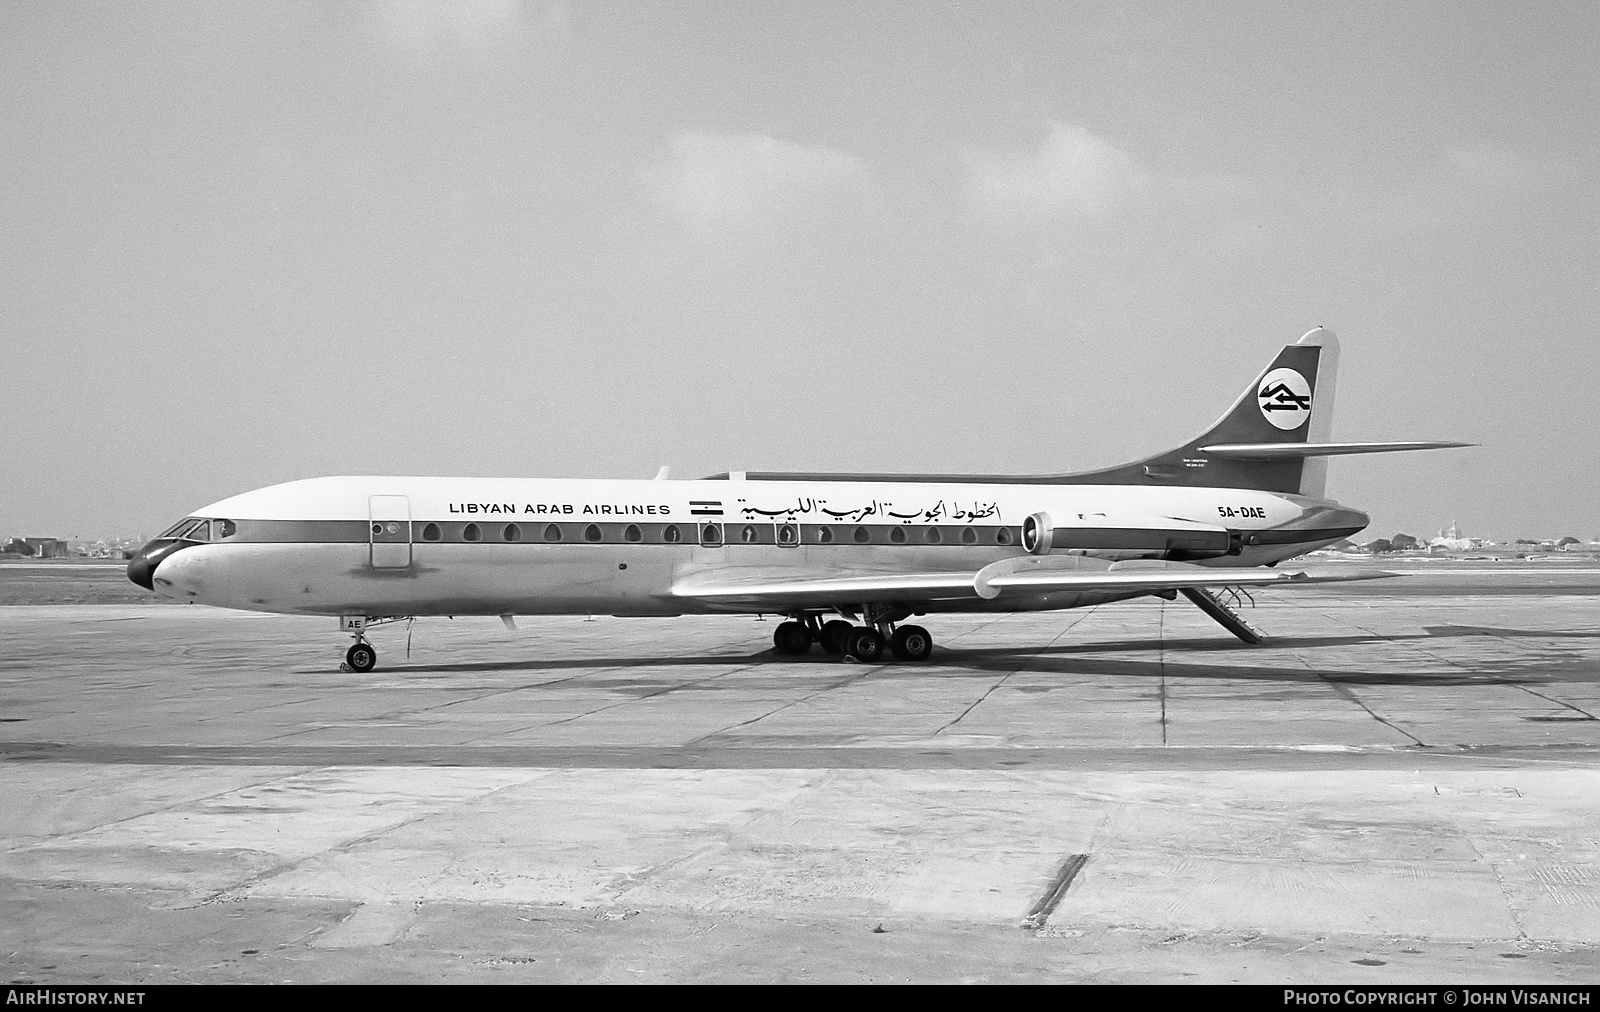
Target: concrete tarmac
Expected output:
[1399,786]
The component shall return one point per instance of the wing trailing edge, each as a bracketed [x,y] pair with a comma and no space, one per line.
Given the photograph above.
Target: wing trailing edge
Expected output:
[1014,576]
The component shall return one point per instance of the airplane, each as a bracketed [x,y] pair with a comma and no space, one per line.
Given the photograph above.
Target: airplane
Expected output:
[848,559]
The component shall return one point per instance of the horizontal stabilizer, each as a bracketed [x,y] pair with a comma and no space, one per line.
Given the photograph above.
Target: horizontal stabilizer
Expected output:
[1289,451]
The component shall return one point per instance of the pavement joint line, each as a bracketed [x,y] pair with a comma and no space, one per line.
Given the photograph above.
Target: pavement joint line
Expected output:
[1541,695]
[524,688]
[1019,666]
[858,676]
[651,695]
[1344,691]
[1161,662]
[345,846]
[531,727]
[1349,694]
[1462,667]
[300,770]
[977,628]
[1500,883]
[540,685]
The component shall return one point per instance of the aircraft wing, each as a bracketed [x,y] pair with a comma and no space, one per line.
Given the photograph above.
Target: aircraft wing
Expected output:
[1016,576]
[766,589]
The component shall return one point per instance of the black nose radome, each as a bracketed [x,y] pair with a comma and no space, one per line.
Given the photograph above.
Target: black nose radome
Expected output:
[142,568]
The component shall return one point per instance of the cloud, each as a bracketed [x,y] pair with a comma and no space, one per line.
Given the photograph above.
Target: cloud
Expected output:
[721,182]
[1498,171]
[426,27]
[1464,188]
[1072,173]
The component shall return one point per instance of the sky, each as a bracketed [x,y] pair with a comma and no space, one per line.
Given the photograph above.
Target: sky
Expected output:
[247,243]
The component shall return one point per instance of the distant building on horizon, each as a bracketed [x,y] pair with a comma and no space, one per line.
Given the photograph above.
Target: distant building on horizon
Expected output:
[46,548]
[1451,540]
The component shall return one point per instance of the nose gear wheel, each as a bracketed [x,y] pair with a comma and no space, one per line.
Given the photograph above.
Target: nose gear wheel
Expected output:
[361,657]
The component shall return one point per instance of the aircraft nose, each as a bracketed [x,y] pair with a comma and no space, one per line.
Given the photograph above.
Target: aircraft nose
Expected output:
[142,567]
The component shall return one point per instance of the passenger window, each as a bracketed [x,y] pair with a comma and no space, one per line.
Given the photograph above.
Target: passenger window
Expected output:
[862,537]
[711,535]
[932,536]
[633,534]
[591,532]
[969,536]
[430,532]
[471,533]
[898,535]
[824,535]
[1002,536]
[552,533]
[788,534]
[748,535]
[512,532]
[671,535]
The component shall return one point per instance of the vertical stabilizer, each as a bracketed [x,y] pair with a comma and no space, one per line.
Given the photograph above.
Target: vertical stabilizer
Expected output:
[1290,401]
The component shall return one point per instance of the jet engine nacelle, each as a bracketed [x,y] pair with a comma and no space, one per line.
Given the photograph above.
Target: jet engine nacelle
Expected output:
[1164,537]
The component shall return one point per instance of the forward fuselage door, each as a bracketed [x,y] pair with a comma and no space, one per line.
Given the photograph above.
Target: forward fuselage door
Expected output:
[389,531]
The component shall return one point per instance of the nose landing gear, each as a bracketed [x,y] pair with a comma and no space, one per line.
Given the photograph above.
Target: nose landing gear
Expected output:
[363,656]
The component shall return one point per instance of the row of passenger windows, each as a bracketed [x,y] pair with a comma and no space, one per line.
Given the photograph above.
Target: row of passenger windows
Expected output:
[712,535]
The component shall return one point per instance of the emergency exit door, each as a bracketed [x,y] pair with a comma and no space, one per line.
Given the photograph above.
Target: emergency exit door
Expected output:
[389,531]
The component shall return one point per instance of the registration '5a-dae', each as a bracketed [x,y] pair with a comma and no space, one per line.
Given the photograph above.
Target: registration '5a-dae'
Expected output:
[849,558]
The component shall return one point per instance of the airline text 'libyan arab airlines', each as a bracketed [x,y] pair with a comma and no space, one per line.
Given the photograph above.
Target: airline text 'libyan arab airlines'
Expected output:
[849,558]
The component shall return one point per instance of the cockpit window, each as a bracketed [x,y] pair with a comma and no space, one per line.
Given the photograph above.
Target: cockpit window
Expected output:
[200,529]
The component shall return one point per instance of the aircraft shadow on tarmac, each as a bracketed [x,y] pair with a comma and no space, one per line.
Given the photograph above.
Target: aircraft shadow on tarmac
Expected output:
[1090,659]
[1042,664]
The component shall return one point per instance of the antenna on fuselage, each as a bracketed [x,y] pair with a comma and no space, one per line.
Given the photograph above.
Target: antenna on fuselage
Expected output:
[664,473]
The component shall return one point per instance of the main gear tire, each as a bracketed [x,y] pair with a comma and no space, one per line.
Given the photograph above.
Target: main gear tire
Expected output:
[911,643]
[834,634]
[791,639]
[865,645]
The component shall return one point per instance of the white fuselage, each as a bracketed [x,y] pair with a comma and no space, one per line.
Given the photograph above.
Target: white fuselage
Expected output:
[461,546]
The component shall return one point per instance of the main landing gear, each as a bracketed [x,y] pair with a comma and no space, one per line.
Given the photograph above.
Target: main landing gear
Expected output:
[866,643]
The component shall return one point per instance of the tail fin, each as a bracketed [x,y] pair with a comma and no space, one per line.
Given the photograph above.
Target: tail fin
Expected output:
[1290,402]
[1286,402]
[1276,437]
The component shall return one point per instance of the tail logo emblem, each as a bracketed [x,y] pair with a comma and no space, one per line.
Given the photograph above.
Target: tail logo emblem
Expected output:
[1285,398]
